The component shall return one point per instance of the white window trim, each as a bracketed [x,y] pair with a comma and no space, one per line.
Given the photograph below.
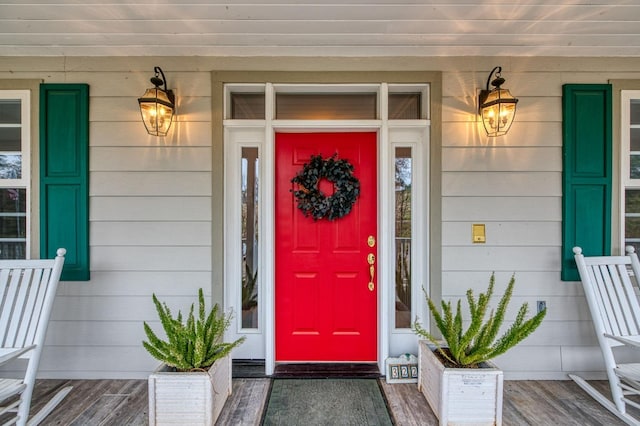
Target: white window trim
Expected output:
[625,158]
[25,135]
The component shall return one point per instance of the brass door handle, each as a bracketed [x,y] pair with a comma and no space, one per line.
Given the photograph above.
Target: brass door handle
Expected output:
[371,259]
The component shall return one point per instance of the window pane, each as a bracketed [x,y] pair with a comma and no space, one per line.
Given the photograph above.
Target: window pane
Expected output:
[304,106]
[246,106]
[10,166]
[634,169]
[10,138]
[635,139]
[13,223]
[12,227]
[632,218]
[13,250]
[404,106]
[403,237]
[635,111]
[250,210]
[10,111]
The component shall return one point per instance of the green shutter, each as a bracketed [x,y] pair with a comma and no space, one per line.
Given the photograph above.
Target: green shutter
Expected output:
[587,170]
[64,176]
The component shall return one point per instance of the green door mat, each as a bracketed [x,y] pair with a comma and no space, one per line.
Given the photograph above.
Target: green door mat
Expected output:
[326,402]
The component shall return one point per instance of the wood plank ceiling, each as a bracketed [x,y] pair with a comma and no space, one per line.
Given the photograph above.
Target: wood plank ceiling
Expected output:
[320,28]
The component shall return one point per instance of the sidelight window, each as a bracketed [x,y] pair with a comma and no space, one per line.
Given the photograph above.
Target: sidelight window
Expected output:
[403,214]
[250,190]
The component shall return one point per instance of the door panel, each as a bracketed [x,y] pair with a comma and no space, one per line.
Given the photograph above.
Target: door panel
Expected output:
[324,309]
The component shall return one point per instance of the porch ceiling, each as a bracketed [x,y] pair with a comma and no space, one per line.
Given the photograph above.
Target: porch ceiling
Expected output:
[320,28]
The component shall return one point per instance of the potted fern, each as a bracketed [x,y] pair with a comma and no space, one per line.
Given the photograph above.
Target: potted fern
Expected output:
[457,378]
[194,380]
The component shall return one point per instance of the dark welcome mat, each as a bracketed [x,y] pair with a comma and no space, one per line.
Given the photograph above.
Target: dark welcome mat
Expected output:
[326,371]
[326,402]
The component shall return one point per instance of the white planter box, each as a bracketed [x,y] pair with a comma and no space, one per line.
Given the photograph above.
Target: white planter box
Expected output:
[189,398]
[460,396]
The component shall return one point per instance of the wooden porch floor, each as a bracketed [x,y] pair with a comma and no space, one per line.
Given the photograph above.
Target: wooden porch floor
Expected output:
[124,402]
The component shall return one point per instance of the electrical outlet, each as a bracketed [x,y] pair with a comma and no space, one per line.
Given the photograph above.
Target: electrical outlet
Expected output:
[542,305]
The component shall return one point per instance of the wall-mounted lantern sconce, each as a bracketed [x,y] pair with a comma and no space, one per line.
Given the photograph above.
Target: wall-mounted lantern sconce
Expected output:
[497,106]
[157,106]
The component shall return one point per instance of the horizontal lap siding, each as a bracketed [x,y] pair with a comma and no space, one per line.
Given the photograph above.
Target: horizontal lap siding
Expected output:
[151,208]
[528,283]
[527,134]
[96,362]
[195,134]
[540,159]
[151,203]
[495,208]
[160,233]
[156,183]
[150,223]
[531,234]
[140,283]
[510,184]
[115,159]
[513,184]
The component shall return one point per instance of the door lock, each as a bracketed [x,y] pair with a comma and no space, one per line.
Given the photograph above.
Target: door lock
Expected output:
[371,241]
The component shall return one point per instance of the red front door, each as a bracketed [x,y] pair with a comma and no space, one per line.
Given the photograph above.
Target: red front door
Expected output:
[325,308]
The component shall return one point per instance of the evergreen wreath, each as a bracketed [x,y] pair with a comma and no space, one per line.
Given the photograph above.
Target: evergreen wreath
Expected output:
[314,202]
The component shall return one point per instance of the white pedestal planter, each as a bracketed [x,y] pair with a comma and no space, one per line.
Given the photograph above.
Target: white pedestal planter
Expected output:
[189,398]
[460,396]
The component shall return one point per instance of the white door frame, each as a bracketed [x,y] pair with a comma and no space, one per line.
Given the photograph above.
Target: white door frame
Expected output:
[261,134]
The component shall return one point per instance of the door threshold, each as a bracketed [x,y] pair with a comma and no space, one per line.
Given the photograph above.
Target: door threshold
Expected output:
[248,369]
[311,370]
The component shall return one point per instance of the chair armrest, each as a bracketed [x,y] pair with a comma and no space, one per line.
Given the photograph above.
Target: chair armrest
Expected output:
[627,340]
[8,354]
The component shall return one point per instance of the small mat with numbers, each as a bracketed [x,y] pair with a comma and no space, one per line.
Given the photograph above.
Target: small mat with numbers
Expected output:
[326,402]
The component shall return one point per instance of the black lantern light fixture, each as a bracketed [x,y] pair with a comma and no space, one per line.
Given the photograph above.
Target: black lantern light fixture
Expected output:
[157,106]
[497,107]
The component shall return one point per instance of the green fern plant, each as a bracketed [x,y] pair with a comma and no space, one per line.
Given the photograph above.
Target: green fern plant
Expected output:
[480,341]
[192,345]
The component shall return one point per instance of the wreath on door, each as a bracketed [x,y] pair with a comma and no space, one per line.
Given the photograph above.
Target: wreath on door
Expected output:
[314,202]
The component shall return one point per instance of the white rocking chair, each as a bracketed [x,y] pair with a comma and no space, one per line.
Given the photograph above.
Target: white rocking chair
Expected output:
[615,311]
[27,290]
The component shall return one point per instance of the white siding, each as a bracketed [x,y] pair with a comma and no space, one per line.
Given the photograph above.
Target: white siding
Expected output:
[150,217]
[513,185]
[151,202]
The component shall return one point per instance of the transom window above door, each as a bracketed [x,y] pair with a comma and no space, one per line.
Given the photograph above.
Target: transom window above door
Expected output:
[297,102]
